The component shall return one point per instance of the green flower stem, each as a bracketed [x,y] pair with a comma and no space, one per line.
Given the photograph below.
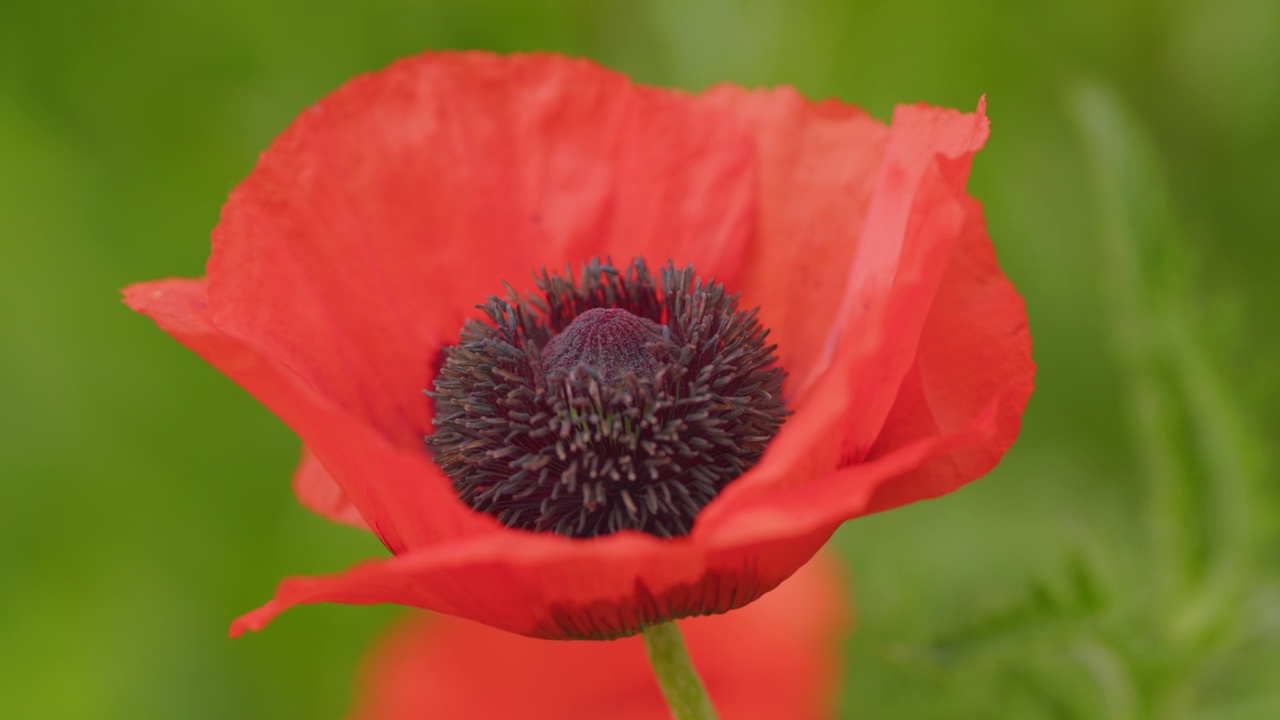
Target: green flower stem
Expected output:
[680,683]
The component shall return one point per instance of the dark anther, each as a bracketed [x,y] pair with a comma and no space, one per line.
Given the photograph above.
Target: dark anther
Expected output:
[606,403]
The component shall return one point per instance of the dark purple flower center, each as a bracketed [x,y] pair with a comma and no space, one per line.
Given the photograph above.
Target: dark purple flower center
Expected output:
[606,403]
[609,341]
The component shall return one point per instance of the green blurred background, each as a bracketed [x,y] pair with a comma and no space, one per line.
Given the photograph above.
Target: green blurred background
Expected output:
[1121,563]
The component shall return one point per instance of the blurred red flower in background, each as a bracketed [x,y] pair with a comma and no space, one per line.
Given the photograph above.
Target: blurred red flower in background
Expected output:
[778,658]
[373,225]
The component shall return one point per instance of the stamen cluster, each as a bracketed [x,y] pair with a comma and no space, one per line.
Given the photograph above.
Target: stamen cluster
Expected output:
[606,403]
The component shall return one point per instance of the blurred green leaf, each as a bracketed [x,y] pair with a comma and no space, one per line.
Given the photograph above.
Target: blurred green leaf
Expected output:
[1198,459]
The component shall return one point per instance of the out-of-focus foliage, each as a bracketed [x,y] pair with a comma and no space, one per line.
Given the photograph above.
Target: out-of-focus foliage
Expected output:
[1120,564]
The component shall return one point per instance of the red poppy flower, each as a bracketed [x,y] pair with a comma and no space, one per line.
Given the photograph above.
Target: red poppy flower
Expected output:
[778,658]
[372,227]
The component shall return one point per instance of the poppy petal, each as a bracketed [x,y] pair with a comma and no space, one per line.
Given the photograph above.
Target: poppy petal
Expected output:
[913,225]
[392,506]
[957,411]
[554,587]
[373,225]
[976,345]
[779,657]
[818,172]
[318,492]
[816,508]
